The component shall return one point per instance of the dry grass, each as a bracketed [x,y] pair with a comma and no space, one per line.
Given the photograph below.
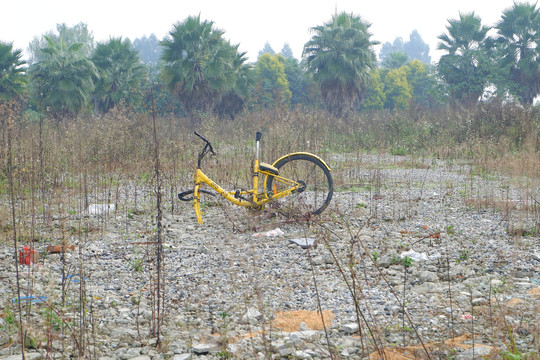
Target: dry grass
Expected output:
[290,321]
[59,168]
[417,351]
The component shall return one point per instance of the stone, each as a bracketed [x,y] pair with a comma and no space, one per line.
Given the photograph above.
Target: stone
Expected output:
[479,351]
[300,354]
[427,276]
[328,259]
[252,316]
[28,356]
[302,335]
[182,357]
[350,328]
[303,326]
[304,243]
[131,353]
[429,288]
[286,349]
[479,301]
[201,349]
[4,338]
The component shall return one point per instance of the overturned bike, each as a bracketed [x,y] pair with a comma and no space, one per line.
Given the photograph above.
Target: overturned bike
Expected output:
[299,182]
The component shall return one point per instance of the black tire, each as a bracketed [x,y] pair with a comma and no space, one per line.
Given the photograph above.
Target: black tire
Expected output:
[318,187]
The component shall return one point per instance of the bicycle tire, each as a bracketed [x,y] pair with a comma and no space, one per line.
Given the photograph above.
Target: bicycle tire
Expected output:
[318,188]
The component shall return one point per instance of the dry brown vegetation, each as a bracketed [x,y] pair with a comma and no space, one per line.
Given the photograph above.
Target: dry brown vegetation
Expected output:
[59,168]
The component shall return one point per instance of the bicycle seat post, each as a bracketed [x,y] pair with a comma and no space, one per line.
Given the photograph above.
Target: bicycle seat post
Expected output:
[258,140]
[256,166]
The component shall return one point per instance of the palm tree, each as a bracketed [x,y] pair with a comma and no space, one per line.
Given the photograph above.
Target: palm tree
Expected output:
[395,60]
[519,39]
[78,33]
[12,72]
[467,66]
[121,74]
[198,65]
[339,57]
[65,79]
[233,101]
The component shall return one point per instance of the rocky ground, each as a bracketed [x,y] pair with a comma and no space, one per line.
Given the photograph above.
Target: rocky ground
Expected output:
[434,262]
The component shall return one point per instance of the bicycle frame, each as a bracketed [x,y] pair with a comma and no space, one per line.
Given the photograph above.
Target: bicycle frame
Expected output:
[247,198]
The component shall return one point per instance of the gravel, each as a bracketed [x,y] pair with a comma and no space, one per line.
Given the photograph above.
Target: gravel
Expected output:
[435,257]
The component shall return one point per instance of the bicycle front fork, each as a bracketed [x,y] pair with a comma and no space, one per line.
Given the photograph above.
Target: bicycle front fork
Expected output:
[197,202]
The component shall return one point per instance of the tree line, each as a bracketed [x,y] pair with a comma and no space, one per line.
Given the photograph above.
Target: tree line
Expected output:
[195,71]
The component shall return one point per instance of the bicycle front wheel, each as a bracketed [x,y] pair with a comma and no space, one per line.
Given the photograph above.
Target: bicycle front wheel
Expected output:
[316,184]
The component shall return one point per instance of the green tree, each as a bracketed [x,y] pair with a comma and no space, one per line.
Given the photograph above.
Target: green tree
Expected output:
[267,49]
[233,101]
[467,67]
[423,84]
[339,57]
[286,51]
[198,65]
[78,34]
[388,48]
[303,90]
[12,72]
[64,81]
[120,74]
[416,48]
[272,88]
[149,49]
[519,41]
[397,90]
[375,97]
[395,60]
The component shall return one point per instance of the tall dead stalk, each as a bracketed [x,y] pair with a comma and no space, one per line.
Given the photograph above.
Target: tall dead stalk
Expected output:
[8,114]
[159,246]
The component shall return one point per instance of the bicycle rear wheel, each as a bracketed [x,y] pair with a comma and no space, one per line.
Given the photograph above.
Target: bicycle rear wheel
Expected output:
[316,189]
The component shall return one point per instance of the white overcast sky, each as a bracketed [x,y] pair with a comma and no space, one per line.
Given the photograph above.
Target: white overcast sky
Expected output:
[250,23]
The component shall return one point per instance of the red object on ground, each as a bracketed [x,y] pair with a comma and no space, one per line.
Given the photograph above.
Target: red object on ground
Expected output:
[26,256]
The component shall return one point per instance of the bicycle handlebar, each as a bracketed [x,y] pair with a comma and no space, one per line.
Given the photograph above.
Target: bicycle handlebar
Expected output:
[207,143]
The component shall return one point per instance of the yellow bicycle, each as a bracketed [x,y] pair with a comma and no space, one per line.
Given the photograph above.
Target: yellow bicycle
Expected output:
[299,183]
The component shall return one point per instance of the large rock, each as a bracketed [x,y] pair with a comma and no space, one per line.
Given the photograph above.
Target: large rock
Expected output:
[28,356]
[479,352]
[252,316]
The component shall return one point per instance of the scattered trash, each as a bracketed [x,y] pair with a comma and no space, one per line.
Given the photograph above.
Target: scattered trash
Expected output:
[75,278]
[304,243]
[275,232]
[416,256]
[56,249]
[467,317]
[27,256]
[30,298]
[100,209]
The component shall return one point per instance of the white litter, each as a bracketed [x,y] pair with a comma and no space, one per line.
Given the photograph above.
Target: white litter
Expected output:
[275,232]
[416,256]
[100,209]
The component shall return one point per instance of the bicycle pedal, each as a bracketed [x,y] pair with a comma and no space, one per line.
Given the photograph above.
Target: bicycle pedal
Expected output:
[237,194]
